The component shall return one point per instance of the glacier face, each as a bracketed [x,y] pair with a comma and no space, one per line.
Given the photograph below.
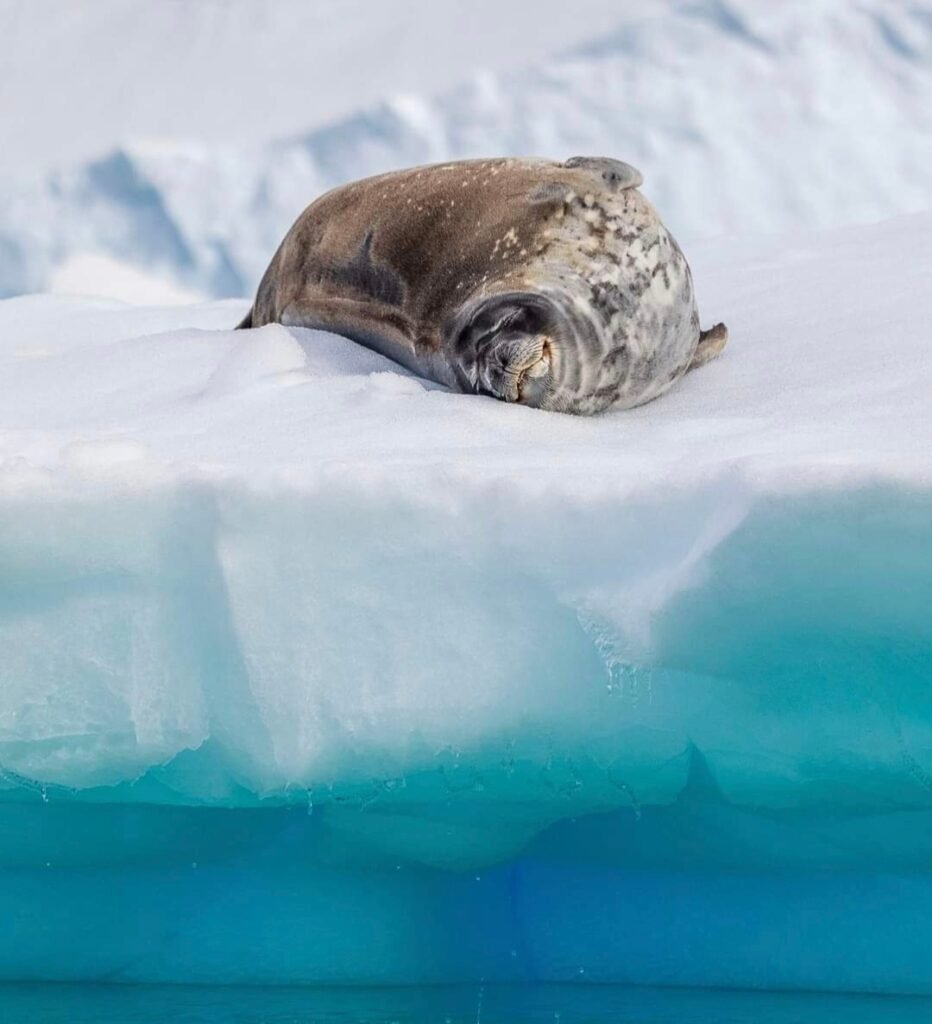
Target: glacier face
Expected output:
[313,671]
[744,117]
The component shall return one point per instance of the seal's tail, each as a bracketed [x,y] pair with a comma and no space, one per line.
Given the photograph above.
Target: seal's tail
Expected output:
[711,343]
[246,321]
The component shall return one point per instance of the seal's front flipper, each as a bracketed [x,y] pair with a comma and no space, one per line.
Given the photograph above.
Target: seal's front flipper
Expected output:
[383,328]
[711,343]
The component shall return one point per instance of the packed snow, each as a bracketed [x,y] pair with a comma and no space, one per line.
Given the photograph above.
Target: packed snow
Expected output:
[745,117]
[296,640]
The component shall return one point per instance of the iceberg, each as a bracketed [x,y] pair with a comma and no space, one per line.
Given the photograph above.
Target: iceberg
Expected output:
[315,672]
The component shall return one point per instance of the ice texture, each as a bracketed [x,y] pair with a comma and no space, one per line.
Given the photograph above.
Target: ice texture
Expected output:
[744,117]
[313,671]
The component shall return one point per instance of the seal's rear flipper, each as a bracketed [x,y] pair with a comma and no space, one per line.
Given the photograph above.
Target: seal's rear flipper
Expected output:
[711,343]
[615,174]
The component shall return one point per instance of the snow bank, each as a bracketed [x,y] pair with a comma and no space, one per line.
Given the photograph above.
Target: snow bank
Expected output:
[294,639]
[744,117]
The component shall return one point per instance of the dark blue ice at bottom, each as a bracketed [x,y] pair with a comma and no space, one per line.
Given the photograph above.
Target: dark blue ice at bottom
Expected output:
[547,1004]
[270,897]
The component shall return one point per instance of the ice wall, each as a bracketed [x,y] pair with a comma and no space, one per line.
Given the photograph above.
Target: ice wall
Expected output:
[315,672]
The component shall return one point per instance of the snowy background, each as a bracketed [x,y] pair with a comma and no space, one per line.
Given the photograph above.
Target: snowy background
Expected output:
[158,151]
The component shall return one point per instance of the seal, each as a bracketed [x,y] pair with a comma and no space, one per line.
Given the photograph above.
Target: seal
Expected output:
[550,284]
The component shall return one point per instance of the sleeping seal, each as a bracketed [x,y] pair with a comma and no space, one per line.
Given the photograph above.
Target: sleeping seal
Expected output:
[550,284]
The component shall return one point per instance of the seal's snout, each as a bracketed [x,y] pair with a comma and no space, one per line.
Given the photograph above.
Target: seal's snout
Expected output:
[536,381]
[518,368]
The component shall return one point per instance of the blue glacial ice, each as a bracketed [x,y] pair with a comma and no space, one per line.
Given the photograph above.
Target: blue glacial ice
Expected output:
[312,671]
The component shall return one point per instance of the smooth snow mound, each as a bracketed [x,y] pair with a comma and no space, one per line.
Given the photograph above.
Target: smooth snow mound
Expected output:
[744,117]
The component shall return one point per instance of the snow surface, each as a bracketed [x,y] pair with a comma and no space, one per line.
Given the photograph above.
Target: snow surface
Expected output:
[745,117]
[305,658]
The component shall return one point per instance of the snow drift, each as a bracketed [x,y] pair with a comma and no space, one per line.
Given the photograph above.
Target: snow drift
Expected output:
[414,686]
[744,117]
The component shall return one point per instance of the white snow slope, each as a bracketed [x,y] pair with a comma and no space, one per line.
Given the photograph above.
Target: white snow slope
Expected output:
[745,117]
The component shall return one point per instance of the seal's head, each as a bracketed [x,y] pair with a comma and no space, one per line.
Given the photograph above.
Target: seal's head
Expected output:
[596,309]
[546,350]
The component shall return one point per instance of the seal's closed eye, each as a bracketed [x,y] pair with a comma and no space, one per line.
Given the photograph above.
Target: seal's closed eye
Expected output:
[515,319]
